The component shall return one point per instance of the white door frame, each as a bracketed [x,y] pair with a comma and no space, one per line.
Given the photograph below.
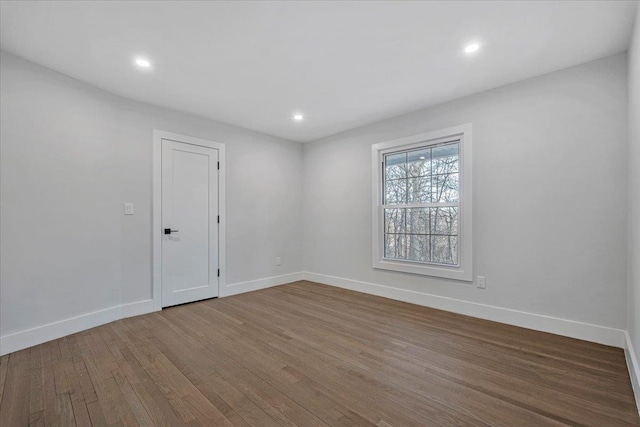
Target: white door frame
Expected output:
[156,219]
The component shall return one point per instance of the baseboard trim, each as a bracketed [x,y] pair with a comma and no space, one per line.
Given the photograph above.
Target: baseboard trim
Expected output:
[51,331]
[41,334]
[538,322]
[589,332]
[634,368]
[254,285]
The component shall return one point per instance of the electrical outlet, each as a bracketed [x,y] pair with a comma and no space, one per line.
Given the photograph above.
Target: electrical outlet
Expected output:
[128,208]
[278,261]
[481,283]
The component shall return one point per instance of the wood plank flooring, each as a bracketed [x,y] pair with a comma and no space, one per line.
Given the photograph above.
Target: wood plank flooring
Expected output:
[306,354]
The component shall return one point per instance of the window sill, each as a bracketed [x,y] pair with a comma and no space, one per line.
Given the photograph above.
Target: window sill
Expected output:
[454,272]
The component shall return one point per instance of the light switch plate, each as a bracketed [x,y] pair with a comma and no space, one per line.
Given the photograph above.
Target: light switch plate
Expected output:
[128,208]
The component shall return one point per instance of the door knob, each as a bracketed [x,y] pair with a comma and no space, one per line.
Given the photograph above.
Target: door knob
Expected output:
[169,231]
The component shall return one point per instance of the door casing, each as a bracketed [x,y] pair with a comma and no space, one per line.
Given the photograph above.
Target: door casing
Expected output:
[156,220]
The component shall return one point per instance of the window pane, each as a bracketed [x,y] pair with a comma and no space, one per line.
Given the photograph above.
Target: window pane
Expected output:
[395,246]
[395,166]
[426,175]
[419,162]
[444,221]
[395,192]
[445,159]
[417,221]
[445,188]
[394,220]
[444,249]
[419,189]
[419,248]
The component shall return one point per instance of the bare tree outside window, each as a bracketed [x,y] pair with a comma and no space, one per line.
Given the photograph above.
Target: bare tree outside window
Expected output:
[421,204]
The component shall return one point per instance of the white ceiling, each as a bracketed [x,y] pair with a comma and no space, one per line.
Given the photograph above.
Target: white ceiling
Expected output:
[343,64]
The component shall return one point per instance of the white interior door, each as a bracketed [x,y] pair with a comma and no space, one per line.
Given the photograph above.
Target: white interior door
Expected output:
[189,222]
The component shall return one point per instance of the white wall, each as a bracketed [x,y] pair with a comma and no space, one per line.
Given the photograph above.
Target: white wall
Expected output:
[633,322]
[71,155]
[550,188]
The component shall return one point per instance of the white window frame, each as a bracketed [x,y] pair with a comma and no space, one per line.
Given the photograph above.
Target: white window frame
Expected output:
[464,270]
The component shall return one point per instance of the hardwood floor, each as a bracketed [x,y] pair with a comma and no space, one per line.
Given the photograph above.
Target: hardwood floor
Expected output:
[312,355]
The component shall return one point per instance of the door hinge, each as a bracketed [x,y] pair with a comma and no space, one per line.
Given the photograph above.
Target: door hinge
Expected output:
[218,219]
[218,165]
[218,272]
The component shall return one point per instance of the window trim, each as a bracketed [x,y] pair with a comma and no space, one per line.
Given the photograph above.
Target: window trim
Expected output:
[463,271]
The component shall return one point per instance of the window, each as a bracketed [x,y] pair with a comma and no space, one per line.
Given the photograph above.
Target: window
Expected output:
[422,204]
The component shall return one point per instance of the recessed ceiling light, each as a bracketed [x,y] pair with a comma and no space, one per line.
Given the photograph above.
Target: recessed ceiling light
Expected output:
[143,63]
[472,47]
[298,117]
